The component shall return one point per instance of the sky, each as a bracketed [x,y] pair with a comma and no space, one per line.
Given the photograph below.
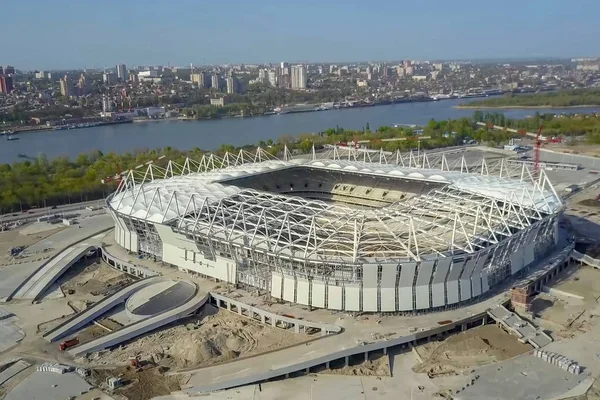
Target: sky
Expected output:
[69,34]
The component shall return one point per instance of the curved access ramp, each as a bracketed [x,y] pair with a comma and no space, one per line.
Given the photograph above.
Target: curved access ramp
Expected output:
[96,310]
[35,286]
[146,325]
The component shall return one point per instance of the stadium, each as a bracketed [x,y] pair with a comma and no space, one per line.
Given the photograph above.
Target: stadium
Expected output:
[343,229]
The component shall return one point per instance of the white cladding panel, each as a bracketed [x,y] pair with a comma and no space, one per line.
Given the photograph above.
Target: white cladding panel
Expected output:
[388,288]
[221,268]
[370,287]
[452,282]
[405,287]
[476,276]
[133,242]
[276,282]
[465,279]
[318,294]
[334,297]
[289,286]
[422,289]
[352,296]
[484,281]
[529,254]
[118,233]
[370,299]
[438,285]
[516,259]
[302,291]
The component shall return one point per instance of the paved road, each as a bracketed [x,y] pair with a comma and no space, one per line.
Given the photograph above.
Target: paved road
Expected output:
[40,212]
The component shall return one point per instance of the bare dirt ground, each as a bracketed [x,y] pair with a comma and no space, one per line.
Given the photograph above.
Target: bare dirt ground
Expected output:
[92,277]
[375,366]
[200,341]
[14,238]
[145,384]
[582,149]
[461,352]
[567,316]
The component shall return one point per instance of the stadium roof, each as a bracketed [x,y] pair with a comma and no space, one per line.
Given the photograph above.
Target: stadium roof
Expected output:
[479,205]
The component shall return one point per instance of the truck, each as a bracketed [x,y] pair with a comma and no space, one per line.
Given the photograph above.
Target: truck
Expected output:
[68,343]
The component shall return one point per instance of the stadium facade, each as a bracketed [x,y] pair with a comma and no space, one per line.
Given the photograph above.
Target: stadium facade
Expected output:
[345,229]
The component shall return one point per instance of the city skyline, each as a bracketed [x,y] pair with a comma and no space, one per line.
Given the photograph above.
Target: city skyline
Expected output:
[137,33]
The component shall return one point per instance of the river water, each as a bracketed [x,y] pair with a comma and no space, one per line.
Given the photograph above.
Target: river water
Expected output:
[209,135]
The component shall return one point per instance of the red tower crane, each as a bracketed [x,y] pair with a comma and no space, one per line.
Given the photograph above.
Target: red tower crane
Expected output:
[536,154]
[117,177]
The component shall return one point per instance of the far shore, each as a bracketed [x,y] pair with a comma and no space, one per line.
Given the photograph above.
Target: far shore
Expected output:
[475,107]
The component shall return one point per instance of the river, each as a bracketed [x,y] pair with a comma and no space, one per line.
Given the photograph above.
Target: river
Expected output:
[209,135]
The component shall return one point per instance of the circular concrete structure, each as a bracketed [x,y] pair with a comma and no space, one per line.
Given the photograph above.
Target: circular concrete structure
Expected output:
[158,298]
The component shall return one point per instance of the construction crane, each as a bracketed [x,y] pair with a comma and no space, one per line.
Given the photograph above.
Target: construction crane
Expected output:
[119,175]
[536,153]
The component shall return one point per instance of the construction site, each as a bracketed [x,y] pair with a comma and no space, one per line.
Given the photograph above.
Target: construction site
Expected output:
[127,306]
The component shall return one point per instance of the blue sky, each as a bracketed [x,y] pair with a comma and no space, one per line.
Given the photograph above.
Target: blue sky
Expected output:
[54,34]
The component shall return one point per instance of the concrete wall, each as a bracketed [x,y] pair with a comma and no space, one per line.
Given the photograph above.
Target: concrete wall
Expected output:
[183,253]
[123,236]
[383,287]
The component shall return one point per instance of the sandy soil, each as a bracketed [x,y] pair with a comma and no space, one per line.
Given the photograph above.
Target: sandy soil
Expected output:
[14,238]
[93,278]
[568,316]
[201,341]
[377,366]
[145,384]
[458,353]
[593,151]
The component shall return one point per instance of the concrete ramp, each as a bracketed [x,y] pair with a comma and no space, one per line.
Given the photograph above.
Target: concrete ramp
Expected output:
[525,332]
[584,258]
[96,310]
[146,325]
[36,285]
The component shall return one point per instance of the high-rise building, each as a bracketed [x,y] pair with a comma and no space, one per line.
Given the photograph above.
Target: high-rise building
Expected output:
[6,84]
[199,78]
[284,81]
[106,104]
[122,72]
[83,85]
[272,77]
[1,70]
[40,75]
[9,70]
[65,86]
[109,78]
[214,82]
[232,85]
[298,77]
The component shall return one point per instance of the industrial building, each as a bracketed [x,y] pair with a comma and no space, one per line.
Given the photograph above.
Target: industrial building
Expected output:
[346,229]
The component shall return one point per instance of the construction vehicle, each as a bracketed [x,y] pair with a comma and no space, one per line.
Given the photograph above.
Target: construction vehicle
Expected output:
[135,362]
[68,344]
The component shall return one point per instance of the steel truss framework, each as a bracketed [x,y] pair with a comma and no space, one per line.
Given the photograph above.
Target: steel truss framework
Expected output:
[264,230]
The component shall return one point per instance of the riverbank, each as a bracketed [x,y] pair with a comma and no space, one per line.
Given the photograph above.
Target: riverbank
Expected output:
[36,129]
[476,107]
[211,134]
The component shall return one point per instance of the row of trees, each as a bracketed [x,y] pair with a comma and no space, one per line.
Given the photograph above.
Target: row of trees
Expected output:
[562,98]
[42,182]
